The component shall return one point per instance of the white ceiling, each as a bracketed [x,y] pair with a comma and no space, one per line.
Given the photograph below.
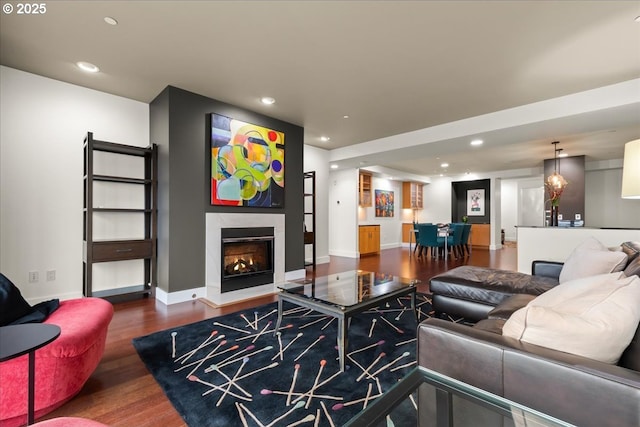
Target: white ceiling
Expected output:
[392,66]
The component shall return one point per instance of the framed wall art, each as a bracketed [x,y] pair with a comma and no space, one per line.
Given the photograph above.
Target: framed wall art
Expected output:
[247,164]
[384,203]
[475,202]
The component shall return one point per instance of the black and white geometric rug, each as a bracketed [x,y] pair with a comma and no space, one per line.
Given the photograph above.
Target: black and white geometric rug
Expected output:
[234,371]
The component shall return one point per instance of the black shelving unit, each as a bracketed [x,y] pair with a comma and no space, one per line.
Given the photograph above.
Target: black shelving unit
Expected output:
[112,250]
[310,213]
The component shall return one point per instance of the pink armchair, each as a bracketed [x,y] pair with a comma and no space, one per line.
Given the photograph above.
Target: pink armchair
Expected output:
[62,367]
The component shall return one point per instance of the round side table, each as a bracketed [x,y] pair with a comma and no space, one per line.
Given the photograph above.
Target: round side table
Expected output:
[16,340]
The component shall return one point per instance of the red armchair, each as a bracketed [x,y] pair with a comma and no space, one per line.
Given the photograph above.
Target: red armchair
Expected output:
[62,367]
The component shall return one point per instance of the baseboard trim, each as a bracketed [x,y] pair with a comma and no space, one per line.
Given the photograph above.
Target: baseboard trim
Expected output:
[169,298]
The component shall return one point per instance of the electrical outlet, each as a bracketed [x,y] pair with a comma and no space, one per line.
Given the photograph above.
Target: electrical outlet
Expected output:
[51,275]
[578,216]
[33,277]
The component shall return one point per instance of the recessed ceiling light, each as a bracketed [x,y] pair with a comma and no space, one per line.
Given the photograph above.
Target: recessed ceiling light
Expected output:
[88,67]
[441,174]
[345,116]
[477,142]
[444,165]
[563,155]
[111,21]
[267,100]
[334,166]
[324,138]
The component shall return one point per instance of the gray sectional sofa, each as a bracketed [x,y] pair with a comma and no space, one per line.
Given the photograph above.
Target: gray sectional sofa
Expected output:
[580,390]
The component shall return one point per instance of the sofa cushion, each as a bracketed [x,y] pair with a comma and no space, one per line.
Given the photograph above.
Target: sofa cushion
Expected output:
[506,308]
[594,317]
[632,249]
[487,285]
[591,258]
[633,268]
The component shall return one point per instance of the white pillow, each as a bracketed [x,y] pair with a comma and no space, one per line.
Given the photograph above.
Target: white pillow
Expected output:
[594,317]
[590,258]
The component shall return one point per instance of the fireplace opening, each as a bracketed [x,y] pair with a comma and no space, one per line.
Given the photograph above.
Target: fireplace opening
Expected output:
[247,257]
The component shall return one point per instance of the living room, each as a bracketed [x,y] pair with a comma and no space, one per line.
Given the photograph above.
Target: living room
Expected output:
[45,118]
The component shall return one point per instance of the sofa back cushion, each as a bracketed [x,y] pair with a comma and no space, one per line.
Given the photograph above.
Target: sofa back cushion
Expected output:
[594,317]
[633,268]
[632,249]
[592,258]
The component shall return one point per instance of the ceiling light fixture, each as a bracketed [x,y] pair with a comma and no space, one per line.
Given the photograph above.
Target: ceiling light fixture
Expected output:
[267,100]
[324,138]
[476,142]
[444,165]
[88,67]
[637,19]
[111,21]
[345,116]
[334,166]
[631,170]
[561,155]
[556,182]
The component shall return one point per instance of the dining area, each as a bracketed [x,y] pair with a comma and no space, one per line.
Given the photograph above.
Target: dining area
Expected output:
[438,241]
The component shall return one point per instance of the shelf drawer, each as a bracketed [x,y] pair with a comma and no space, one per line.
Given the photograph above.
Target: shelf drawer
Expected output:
[117,251]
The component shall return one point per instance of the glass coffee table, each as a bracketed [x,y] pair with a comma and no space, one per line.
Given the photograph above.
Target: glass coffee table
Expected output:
[344,295]
[427,398]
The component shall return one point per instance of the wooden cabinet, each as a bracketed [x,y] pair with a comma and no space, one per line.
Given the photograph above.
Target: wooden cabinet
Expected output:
[369,239]
[407,235]
[365,190]
[411,195]
[480,235]
[143,215]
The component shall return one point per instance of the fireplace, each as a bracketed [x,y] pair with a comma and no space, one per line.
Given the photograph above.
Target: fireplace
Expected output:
[247,257]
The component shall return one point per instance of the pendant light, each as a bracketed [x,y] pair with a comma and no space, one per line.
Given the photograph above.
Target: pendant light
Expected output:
[555,180]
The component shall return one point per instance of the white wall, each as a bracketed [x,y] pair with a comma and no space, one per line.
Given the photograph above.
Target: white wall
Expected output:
[603,205]
[343,213]
[317,159]
[43,123]
[437,201]
[509,208]
[390,227]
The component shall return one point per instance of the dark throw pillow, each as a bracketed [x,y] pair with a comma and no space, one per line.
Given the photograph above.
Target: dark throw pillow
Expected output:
[12,305]
[15,310]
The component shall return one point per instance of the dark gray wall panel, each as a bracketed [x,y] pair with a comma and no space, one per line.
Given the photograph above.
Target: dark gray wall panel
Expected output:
[159,134]
[572,199]
[189,184]
[459,200]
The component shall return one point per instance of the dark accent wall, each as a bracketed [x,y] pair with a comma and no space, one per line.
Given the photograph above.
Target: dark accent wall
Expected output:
[572,199]
[179,124]
[459,200]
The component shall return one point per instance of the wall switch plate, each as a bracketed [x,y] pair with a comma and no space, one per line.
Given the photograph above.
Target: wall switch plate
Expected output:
[33,277]
[51,275]
[578,216]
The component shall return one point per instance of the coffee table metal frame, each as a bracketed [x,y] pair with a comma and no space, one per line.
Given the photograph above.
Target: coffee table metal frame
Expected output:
[343,313]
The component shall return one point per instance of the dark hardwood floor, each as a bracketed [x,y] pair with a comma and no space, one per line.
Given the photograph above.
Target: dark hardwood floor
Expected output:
[121,392]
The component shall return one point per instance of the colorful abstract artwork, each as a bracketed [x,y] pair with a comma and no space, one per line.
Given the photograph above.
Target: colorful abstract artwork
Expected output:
[247,164]
[384,203]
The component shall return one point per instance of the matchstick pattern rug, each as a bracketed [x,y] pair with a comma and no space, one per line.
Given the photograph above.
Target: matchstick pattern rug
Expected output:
[236,370]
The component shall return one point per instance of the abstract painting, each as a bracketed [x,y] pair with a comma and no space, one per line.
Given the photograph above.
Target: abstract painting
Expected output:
[384,203]
[247,164]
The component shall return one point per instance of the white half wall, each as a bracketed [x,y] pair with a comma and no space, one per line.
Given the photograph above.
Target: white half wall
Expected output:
[557,243]
[43,125]
[343,213]
[317,159]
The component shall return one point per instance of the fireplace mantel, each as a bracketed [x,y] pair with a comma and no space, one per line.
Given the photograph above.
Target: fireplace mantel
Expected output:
[217,221]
